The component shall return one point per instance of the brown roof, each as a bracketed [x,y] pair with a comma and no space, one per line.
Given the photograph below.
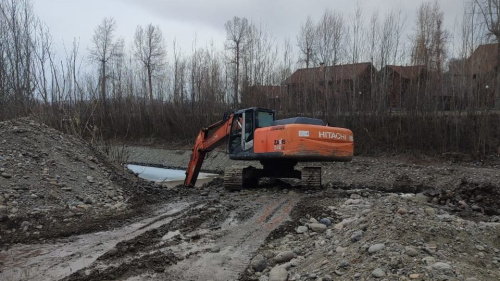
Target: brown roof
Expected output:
[407,72]
[483,59]
[333,73]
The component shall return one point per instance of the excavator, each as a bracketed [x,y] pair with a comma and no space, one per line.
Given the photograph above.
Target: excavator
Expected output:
[254,134]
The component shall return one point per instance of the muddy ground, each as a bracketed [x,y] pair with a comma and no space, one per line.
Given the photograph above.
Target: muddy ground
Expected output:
[68,213]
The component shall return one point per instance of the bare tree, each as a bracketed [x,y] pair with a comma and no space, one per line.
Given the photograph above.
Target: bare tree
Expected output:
[306,41]
[329,36]
[17,59]
[429,45]
[356,37]
[149,49]
[180,67]
[237,34]
[105,49]
[490,10]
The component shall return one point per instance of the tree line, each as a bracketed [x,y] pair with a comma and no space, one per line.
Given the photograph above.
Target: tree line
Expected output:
[148,89]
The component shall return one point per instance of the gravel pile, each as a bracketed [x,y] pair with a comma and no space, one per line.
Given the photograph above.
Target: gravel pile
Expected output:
[379,236]
[49,180]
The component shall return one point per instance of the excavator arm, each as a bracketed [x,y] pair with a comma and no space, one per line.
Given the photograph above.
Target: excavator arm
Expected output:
[205,143]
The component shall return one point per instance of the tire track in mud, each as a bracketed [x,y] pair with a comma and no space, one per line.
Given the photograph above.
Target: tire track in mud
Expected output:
[58,260]
[231,253]
[205,240]
[214,242]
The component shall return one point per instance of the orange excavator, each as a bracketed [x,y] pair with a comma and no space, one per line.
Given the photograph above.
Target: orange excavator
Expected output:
[254,134]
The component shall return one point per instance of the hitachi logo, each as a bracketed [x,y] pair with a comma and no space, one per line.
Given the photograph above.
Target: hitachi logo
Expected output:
[332,135]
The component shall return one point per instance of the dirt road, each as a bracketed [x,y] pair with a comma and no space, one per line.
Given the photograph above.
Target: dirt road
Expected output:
[187,240]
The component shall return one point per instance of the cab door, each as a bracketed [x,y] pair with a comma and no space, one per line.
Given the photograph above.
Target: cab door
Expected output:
[248,129]
[235,135]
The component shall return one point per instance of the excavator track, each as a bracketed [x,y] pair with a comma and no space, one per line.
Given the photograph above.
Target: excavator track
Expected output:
[311,177]
[233,178]
[237,177]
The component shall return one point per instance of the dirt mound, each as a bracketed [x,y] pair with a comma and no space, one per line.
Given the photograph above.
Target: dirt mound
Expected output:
[51,183]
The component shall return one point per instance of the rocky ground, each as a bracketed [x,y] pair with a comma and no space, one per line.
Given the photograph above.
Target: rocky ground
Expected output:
[66,212]
[365,235]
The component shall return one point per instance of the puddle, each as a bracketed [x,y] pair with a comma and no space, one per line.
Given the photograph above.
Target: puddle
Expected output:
[163,175]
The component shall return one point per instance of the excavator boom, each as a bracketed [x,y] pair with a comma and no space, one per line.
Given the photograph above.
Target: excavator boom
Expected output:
[205,143]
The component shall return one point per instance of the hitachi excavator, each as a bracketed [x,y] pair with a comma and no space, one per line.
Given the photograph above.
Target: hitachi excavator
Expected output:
[254,134]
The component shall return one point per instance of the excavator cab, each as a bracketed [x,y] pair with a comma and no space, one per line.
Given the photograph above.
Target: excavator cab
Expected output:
[245,122]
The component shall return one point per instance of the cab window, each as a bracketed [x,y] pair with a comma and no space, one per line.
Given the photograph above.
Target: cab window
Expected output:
[248,126]
[264,119]
[235,134]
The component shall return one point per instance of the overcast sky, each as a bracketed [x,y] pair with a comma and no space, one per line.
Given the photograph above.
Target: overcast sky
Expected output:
[186,20]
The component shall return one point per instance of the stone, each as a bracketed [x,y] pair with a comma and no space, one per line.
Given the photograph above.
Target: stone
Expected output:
[414,276]
[113,251]
[339,226]
[171,235]
[402,211]
[6,175]
[340,249]
[366,211]
[338,272]
[430,211]
[445,218]
[378,273]
[441,266]
[410,251]
[302,229]
[420,198]
[89,200]
[284,256]
[325,221]
[356,235]
[353,202]
[259,263]
[344,264]
[278,273]
[25,225]
[326,278]
[428,260]
[430,248]
[90,179]
[355,196]
[476,208]
[265,278]
[317,227]
[375,248]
